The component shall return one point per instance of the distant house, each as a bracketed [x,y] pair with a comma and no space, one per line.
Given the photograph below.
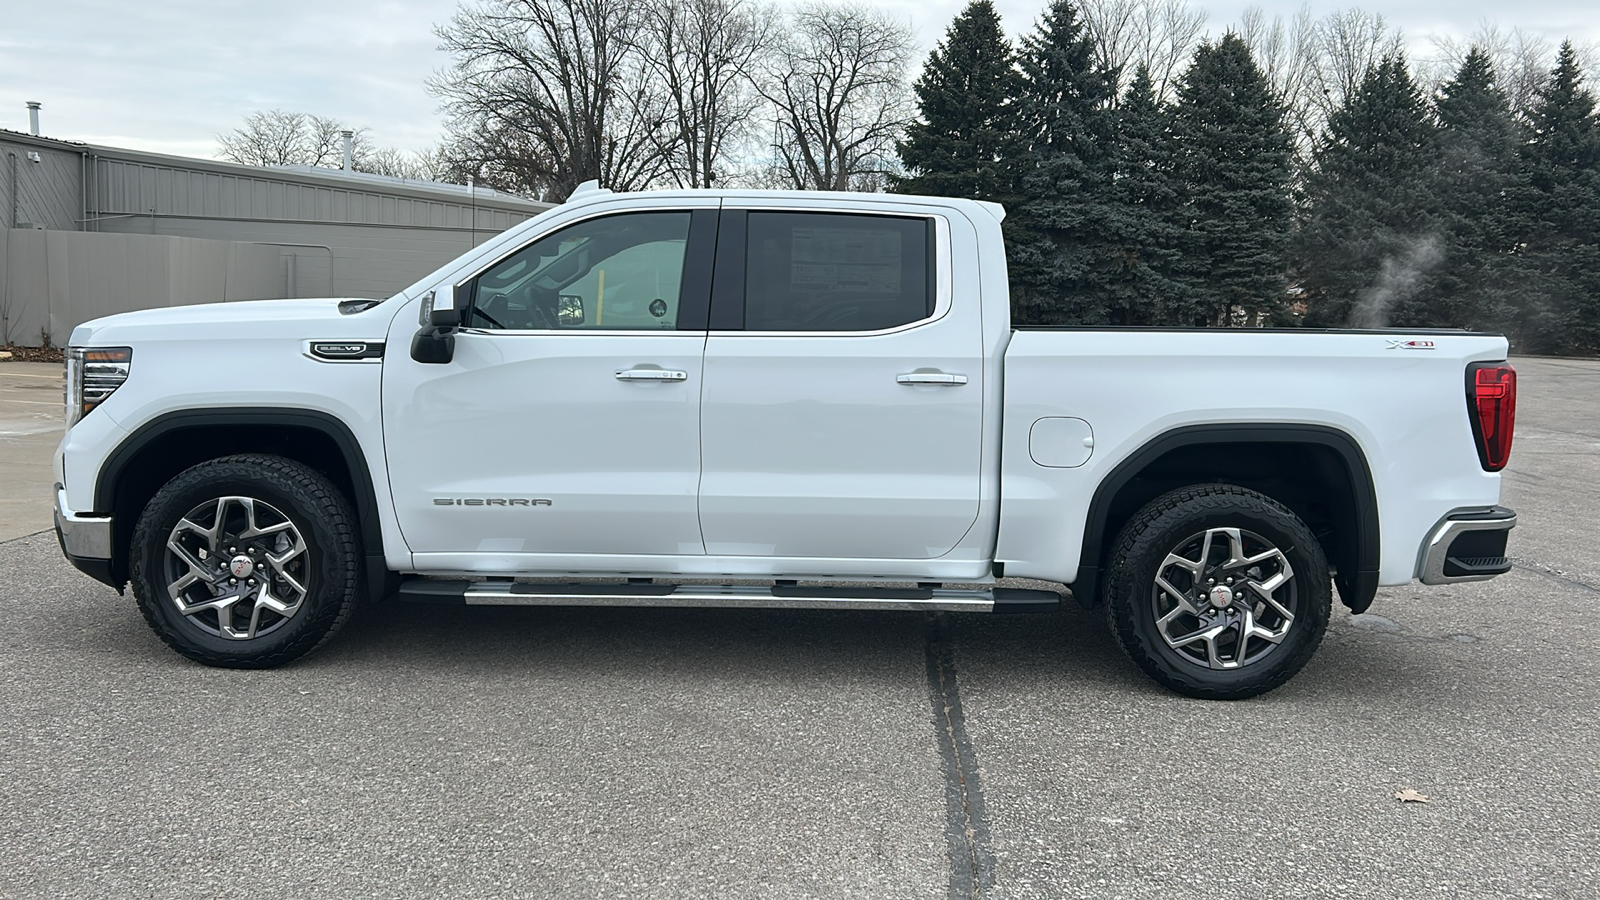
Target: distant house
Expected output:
[91,230]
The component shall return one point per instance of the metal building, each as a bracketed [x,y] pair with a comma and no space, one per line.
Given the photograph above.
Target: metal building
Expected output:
[90,230]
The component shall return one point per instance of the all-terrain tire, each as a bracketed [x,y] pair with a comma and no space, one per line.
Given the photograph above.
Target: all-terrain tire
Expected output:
[1175,546]
[287,499]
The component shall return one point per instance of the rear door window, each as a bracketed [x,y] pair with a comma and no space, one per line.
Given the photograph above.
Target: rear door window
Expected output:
[831,272]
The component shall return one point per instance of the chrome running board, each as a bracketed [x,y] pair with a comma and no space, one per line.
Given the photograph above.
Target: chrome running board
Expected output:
[702,596]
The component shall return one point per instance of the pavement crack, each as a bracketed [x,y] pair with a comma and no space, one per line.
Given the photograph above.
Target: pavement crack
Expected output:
[23,537]
[966,825]
[1555,574]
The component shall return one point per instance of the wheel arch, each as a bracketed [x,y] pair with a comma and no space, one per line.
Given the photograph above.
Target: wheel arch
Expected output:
[172,442]
[1318,471]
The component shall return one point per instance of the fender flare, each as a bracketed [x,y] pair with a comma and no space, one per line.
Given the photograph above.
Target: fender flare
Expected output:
[1356,589]
[365,494]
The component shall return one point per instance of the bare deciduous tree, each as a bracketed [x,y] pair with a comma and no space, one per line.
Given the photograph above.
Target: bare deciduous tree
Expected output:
[1158,34]
[838,84]
[562,83]
[1287,55]
[703,54]
[1348,44]
[1522,61]
[280,138]
[427,165]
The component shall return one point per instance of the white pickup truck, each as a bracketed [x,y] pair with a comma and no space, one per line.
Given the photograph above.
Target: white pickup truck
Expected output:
[781,400]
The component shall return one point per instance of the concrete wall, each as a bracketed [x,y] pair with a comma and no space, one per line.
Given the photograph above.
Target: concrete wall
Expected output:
[56,280]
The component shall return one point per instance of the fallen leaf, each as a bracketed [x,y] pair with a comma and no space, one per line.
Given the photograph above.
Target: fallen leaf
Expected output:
[1410,795]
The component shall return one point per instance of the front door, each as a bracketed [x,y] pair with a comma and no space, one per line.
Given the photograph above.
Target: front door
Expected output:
[568,421]
[843,405]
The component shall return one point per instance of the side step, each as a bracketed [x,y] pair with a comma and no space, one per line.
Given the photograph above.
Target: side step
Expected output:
[510,593]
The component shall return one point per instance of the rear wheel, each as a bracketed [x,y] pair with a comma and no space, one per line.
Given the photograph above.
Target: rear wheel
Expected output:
[247,561]
[1218,592]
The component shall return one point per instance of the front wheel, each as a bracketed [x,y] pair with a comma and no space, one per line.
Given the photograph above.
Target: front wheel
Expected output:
[246,561]
[1218,592]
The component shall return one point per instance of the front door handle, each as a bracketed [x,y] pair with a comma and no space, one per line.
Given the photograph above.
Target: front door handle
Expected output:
[652,375]
[931,378]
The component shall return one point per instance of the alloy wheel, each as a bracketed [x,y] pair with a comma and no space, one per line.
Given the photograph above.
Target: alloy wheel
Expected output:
[1224,598]
[237,567]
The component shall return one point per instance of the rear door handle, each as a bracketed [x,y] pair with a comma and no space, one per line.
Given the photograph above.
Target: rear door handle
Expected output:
[931,378]
[652,375]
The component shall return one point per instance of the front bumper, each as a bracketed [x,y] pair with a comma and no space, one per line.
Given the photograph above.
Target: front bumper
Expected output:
[1467,545]
[86,540]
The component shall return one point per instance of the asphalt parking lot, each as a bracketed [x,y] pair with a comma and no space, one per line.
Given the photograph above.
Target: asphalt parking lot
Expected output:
[667,753]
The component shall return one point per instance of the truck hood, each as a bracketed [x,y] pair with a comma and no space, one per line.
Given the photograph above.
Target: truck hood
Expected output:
[257,319]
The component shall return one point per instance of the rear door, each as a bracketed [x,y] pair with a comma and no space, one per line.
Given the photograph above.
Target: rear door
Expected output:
[842,409]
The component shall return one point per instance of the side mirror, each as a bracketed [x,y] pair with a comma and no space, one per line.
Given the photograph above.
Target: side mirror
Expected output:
[435,342]
[433,346]
[569,310]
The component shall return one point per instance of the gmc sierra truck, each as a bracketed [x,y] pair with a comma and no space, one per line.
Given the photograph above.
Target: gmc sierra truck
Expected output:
[774,400]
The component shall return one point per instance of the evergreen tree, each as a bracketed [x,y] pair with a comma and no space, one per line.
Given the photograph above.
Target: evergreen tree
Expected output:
[1059,252]
[1477,181]
[1144,225]
[1372,235]
[1234,167]
[965,132]
[1561,310]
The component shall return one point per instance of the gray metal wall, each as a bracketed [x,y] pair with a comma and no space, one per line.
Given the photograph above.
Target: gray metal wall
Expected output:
[48,192]
[55,280]
[370,239]
[320,232]
[366,260]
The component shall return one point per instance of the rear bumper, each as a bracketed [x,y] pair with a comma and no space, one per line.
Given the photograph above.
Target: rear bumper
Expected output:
[86,540]
[1467,545]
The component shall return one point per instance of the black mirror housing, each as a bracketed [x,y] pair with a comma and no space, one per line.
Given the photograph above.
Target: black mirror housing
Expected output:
[433,346]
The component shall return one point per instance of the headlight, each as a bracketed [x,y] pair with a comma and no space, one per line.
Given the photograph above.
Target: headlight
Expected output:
[93,373]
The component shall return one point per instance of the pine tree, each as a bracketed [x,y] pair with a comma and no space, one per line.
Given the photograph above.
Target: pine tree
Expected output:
[1478,182]
[966,131]
[1372,236]
[1234,168]
[1144,227]
[1058,248]
[1560,312]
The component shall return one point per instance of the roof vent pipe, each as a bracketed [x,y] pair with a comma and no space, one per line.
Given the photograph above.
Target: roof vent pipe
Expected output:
[33,117]
[349,149]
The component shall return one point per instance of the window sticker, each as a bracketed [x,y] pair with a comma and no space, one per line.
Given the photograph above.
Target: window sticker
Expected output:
[856,260]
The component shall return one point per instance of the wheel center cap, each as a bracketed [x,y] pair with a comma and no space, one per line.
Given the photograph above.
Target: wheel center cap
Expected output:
[241,566]
[1221,596]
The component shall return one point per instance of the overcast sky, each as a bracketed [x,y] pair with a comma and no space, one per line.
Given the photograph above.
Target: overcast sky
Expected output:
[170,75]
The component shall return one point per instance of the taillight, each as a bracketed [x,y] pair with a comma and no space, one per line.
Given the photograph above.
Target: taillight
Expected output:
[1492,407]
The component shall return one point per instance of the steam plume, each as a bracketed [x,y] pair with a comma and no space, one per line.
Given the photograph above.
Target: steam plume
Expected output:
[1398,278]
